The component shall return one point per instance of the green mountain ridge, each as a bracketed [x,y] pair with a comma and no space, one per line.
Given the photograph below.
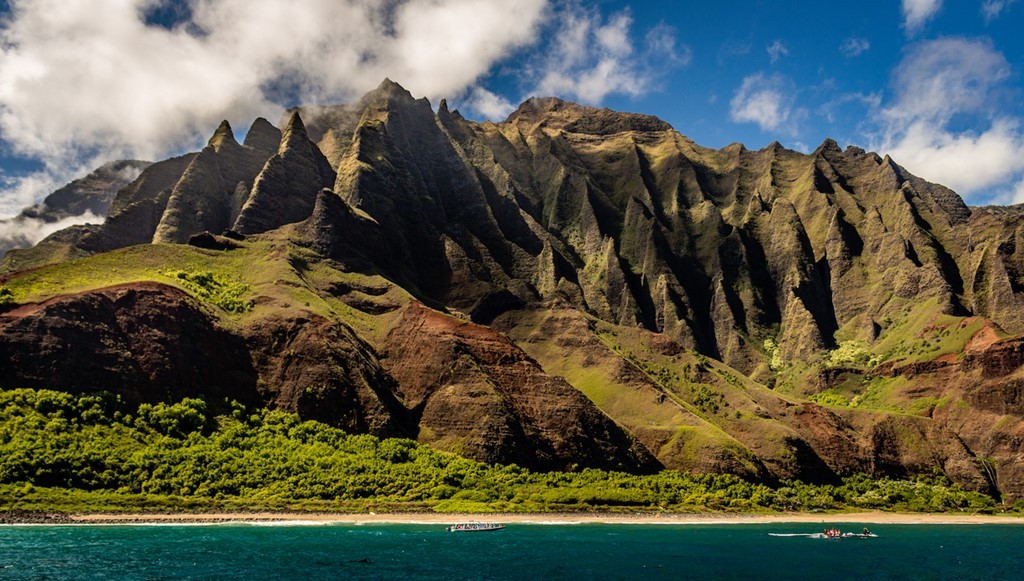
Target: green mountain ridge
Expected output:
[569,287]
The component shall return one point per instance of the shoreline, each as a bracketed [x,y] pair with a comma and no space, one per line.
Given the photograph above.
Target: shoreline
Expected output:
[298,518]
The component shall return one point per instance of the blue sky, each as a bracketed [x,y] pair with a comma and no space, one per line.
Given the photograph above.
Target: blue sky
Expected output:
[754,73]
[936,83]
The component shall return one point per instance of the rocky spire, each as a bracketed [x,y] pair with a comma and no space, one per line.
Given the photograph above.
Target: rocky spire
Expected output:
[294,135]
[263,136]
[285,190]
[222,136]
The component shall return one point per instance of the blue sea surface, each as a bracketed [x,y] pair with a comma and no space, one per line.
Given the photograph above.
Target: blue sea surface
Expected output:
[521,551]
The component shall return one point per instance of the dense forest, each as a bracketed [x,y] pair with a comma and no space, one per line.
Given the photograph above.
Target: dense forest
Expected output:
[92,452]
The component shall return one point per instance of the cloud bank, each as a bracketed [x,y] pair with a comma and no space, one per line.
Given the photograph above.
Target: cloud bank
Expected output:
[937,83]
[86,82]
[24,232]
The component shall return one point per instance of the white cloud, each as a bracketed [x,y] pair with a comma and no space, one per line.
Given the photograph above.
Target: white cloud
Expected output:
[992,9]
[965,162]
[23,190]
[85,82]
[777,50]
[937,83]
[592,57]
[26,232]
[917,12]
[854,46]
[940,78]
[1018,193]
[488,104]
[764,100]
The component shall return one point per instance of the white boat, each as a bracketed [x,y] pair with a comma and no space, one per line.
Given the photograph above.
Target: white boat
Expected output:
[474,527]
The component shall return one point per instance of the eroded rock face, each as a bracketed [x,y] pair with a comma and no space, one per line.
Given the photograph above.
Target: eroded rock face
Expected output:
[147,342]
[151,343]
[322,371]
[285,189]
[478,394]
[87,196]
[457,385]
[616,213]
[181,197]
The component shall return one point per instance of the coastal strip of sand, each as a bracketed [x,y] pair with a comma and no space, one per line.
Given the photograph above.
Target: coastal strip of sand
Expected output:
[545,518]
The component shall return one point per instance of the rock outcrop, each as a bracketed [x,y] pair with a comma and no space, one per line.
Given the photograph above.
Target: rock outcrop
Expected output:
[146,342]
[476,393]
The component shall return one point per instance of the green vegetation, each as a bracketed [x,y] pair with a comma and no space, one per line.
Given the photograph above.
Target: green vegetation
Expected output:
[771,349]
[830,397]
[214,289]
[6,296]
[851,354]
[92,452]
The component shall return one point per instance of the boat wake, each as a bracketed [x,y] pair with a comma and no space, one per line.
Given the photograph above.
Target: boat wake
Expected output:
[826,536]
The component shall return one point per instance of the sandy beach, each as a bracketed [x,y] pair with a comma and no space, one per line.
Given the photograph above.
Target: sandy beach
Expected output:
[542,518]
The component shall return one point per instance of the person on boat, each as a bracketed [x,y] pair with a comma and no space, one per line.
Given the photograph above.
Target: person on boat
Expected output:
[866,531]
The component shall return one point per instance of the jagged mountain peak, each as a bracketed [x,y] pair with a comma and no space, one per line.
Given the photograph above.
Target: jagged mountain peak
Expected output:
[387,86]
[828,146]
[222,137]
[575,118]
[389,95]
[294,134]
[263,136]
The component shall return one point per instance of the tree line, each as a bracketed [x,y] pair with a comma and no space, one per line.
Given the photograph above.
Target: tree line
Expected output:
[66,452]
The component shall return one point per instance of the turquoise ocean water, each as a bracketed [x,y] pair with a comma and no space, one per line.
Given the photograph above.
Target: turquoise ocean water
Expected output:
[521,551]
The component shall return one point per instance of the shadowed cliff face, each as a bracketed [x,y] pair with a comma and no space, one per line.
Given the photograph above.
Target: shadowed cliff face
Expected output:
[145,341]
[650,302]
[635,224]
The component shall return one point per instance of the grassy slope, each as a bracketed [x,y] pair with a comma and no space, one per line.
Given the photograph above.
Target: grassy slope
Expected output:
[279,278]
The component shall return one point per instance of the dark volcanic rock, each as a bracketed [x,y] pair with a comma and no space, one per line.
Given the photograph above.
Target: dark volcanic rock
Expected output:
[147,342]
[339,231]
[323,371]
[211,242]
[478,394]
[138,207]
[151,343]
